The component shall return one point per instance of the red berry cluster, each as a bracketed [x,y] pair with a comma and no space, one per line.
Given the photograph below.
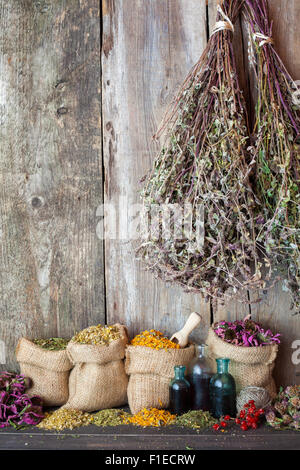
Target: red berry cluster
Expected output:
[247,419]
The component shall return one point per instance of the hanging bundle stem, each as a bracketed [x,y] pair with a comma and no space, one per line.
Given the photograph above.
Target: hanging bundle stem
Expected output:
[204,164]
[277,152]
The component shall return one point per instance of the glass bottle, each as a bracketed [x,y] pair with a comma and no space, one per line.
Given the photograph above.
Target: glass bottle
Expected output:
[199,374]
[179,390]
[222,391]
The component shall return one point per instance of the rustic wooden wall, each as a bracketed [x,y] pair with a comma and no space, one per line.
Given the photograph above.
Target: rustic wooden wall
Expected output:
[62,155]
[52,272]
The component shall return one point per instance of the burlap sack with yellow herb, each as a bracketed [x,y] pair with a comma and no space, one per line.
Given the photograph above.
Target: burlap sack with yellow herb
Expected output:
[98,379]
[48,371]
[150,372]
[248,365]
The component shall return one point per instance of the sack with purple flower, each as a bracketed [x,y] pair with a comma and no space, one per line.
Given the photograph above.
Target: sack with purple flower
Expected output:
[251,349]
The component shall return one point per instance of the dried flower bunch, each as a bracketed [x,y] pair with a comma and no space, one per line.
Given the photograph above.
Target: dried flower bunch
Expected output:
[285,412]
[245,333]
[52,344]
[204,163]
[100,335]
[16,408]
[276,150]
[153,339]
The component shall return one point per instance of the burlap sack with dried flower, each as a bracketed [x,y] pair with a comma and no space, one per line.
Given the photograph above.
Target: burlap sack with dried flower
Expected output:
[150,372]
[48,371]
[98,379]
[248,365]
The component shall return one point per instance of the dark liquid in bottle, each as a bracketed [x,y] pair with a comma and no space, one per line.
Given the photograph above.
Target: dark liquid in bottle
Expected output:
[222,404]
[200,392]
[179,398]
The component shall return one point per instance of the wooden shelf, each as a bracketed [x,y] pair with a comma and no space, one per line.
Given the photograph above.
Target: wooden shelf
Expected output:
[132,438]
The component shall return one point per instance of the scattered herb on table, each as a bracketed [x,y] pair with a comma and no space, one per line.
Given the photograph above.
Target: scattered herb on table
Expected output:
[16,408]
[152,417]
[153,339]
[196,419]
[52,344]
[204,164]
[65,418]
[285,412]
[245,333]
[110,417]
[100,335]
[276,151]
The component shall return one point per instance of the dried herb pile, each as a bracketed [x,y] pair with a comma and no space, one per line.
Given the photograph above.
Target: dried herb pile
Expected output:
[16,408]
[100,335]
[152,417]
[153,339]
[52,344]
[276,150]
[285,412]
[245,333]
[204,163]
[196,419]
[110,417]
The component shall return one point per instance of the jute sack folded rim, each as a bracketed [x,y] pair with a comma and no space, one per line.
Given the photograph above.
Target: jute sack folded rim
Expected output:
[97,353]
[247,355]
[145,360]
[29,353]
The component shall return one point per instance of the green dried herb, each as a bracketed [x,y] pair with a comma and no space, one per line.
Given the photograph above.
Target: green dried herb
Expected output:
[196,419]
[110,417]
[52,344]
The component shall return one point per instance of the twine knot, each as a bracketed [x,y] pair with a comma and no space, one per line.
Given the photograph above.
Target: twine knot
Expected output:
[260,396]
[265,39]
[222,25]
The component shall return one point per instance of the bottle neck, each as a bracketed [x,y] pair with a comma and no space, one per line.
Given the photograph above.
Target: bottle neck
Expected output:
[179,372]
[222,365]
[200,351]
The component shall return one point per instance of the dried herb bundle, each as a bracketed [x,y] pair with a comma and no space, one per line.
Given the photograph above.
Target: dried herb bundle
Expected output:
[203,163]
[277,153]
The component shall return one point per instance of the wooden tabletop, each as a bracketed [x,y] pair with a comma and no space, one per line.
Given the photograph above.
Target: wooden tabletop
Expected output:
[136,438]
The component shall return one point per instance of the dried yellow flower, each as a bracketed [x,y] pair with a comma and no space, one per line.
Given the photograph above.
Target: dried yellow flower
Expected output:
[100,335]
[64,418]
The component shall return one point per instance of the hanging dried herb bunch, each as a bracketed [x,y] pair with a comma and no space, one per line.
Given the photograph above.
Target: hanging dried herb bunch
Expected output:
[203,164]
[276,149]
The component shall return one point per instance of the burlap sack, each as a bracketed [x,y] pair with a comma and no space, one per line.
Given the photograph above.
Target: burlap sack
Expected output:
[150,373]
[48,370]
[98,379]
[248,365]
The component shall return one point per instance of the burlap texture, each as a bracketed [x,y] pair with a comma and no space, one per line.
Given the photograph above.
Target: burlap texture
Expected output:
[150,372]
[248,365]
[98,380]
[48,370]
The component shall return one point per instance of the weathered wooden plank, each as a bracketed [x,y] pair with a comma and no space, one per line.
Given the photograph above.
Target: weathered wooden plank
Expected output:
[124,438]
[275,308]
[51,279]
[148,48]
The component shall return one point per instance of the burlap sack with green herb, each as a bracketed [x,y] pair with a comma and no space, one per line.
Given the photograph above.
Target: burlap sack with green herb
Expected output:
[98,379]
[248,365]
[48,370]
[150,372]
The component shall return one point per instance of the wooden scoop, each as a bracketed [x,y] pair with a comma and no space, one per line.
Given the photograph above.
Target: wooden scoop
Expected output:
[182,336]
